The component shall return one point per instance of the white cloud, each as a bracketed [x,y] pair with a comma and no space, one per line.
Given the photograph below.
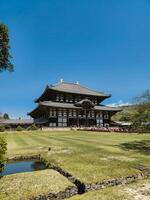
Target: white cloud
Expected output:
[119,103]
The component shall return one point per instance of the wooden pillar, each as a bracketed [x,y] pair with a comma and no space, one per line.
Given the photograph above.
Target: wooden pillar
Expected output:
[86,117]
[78,119]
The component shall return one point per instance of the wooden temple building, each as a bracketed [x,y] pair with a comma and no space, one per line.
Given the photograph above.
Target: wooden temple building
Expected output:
[72,105]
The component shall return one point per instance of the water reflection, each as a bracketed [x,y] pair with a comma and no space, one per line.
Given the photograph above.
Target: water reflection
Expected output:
[22,166]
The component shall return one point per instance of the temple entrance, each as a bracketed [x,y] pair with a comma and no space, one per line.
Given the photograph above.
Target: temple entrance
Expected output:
[72,122]
[82,122]
[91,122]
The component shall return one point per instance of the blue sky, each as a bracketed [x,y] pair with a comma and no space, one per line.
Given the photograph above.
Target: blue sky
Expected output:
[103,44]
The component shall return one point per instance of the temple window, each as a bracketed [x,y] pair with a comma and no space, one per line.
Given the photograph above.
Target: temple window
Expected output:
[99,115]
[52,124]
[65,113]
[59,112]
[57,97]
[70,113]
[62,121]
[70,98]
[67,100]
[61,98]
[106,116]
[92,113]
[99,122]
[74,113]
[52,113]
[59,124]
[59,119]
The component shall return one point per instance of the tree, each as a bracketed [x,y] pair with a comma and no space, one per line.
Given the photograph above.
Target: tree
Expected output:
[3,148]
[143,98]
[1,116]
[141,119]
[33,127]
[5,116]
[5,56]
[19,128]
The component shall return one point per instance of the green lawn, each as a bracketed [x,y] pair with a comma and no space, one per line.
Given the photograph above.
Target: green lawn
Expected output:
[134,191]
[90,157]
[26,185]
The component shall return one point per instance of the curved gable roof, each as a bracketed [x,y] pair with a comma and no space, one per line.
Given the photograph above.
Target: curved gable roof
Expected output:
[76,89]
[72,88]
[71,106]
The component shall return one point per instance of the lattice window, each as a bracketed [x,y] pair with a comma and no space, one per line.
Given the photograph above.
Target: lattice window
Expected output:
[62,98]
[57,97]
[92,114]
[70,113]
[64,113]
[106,116]
[74,113]
[62,121]
[52,124]
[99,115]
[52,113]
[99,122]
[67,100]
[59,112]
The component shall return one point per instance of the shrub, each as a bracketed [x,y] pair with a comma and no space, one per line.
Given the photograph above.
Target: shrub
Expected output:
[3,148]
[33,127]
[2,128]
[19,128]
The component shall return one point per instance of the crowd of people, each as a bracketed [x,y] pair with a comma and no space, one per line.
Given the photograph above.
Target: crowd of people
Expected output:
[104,129]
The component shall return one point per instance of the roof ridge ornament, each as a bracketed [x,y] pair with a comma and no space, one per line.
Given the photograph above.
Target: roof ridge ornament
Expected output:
[61,80]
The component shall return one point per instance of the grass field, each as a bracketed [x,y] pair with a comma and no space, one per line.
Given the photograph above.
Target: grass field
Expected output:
[26,185]
[90,157]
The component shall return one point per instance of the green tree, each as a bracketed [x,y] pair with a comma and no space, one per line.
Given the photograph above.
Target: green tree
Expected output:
[141,119]
[3,148]
[5,116]
[5,56]
[2,128]
[33,127]
[19,128]
[143,98]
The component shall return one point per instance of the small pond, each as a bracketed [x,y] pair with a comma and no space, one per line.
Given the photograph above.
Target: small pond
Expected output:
[22,166]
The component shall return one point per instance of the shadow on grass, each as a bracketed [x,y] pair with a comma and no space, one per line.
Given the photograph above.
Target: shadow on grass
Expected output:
[142,146]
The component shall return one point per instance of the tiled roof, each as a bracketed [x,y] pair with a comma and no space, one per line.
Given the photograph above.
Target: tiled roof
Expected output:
[72,106]
[76,89]
[16,121]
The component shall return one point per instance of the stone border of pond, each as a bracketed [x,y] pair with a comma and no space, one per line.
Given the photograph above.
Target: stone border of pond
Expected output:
[84,187]
[24,158]
[80,187]
[67,193]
